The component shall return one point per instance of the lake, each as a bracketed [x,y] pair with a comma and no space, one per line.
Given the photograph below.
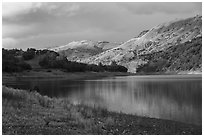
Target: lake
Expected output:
[173,97]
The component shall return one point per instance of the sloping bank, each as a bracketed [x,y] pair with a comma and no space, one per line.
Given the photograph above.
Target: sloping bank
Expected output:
[28,113]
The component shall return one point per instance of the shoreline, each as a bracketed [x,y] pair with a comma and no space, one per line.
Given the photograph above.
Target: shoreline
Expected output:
[47,73]
[56,73]
[25,112]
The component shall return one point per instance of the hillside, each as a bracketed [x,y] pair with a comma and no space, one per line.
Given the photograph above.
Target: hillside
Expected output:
[78,50]
[157,39]
[182,57]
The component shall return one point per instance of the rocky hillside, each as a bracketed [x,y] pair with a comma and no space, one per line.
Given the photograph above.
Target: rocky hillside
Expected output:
[159,38]
[182,57]
[78,50]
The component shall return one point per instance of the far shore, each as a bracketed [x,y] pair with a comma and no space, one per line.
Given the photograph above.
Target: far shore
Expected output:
[59,74]
[56,73]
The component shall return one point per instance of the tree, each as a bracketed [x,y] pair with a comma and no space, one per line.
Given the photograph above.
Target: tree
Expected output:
[10,63]
[29,54]
[113,63]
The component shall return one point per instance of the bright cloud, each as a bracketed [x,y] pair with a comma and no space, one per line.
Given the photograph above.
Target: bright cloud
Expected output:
[14,9]
[161,7]
[60,9]
[9,42]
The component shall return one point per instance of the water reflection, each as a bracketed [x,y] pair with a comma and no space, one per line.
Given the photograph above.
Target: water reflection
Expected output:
[168,97]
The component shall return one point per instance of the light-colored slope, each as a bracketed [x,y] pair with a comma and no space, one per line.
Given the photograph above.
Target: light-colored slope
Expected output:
[86,44]
[156,39]
[79,50]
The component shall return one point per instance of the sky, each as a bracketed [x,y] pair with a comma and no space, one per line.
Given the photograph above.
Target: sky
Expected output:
[42,25]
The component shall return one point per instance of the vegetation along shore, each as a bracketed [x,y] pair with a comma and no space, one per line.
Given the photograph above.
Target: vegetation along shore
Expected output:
[26,112]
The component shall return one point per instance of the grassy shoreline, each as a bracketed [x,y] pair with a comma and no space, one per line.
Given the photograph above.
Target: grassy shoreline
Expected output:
[25,112]
[54,73]
[60,74]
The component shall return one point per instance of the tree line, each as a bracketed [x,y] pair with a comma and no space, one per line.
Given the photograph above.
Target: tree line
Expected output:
[54,60]
[14,60]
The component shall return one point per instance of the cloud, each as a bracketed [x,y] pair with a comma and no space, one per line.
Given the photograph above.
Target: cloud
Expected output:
[16,30]
[14,9]
[165,7]
[23,8]
[23,20]
[62,18]
[9,42]
[59,9]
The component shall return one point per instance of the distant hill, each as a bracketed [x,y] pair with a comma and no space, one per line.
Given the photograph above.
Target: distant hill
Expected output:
[78,50]
[157,39]
[160,39]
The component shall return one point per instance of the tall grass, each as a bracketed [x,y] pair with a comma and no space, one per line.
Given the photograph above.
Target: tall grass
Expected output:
[54,109]
[18,98]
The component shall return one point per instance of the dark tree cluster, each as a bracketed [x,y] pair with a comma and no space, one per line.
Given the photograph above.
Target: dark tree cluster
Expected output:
[182,57]
[12,61]
[29,54]
[114,67]
[51,60]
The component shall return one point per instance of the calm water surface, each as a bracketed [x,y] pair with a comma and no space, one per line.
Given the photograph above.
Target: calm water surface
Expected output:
[168,97]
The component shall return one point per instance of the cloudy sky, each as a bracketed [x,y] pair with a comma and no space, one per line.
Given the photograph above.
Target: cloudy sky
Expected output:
[41,25]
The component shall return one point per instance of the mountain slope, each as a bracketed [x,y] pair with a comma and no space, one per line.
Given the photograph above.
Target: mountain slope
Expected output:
[77,50]
[159,38]
[182,57]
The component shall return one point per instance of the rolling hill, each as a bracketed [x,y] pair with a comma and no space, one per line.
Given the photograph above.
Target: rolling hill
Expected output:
[129,54]
[78,50]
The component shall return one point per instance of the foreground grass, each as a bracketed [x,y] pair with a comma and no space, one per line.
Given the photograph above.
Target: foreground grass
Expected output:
[30,113]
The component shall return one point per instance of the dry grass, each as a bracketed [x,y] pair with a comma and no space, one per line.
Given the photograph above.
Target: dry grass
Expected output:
[46,111]
[31,113]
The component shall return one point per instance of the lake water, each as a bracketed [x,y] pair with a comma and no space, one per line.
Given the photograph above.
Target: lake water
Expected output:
[173,97]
